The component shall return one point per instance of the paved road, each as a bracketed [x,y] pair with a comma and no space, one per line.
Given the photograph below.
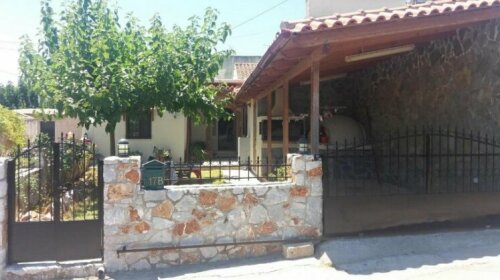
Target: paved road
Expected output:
[452,255]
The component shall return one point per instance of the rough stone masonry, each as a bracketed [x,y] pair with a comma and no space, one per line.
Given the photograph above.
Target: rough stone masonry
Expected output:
[3,215]
[449,82]
[206,214]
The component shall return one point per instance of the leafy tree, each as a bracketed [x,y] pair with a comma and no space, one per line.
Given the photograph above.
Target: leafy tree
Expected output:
[11,130]
[16,97]
[90,67]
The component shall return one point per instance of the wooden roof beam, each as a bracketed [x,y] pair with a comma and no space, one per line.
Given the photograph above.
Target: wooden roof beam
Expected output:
[302,66]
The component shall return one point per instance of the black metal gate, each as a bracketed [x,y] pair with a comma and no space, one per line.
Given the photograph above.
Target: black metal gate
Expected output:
[55,201]
[413,161]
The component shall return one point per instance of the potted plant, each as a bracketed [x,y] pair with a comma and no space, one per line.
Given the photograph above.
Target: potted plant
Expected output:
[161,154]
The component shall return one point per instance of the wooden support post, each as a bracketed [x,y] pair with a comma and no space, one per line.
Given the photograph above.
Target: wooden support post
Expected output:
[286,137]
[254,129]
[315,107]
[269,126]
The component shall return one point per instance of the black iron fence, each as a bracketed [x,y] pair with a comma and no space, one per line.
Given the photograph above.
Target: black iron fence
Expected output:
[221,171]
[55,194]
[413,161]
[56,180]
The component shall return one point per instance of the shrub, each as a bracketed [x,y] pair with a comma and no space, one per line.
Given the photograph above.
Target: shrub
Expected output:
[279,174]
[198,152]
[12,131]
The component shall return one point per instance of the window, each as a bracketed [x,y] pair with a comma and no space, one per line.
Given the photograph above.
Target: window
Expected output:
[139,126]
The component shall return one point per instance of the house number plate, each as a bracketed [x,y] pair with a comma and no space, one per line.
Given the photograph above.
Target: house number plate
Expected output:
[153,173]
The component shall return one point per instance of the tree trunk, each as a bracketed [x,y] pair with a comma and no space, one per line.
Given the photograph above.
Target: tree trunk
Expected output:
[112,148]
[187,150]
[208,140]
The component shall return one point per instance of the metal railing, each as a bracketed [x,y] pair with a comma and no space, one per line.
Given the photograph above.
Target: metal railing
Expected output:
[56,181]
[221,171]
[413,161]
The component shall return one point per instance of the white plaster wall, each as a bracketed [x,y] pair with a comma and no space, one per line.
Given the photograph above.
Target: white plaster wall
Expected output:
[63,125]
[319,8]
[168,131]
[32,128]
[66,125]
[244,148]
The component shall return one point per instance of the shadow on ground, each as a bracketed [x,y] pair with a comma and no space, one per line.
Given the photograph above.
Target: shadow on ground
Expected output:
[231,268]
[380,252]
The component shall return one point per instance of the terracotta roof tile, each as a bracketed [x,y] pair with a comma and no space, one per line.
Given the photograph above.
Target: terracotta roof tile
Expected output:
[267,74]
[243,70]
[419,10]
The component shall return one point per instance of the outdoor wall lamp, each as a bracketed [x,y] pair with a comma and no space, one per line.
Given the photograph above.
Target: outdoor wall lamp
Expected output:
[123,148]
[303,146]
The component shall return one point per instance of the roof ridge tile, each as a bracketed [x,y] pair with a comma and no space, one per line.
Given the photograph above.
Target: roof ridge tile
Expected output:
[383,14]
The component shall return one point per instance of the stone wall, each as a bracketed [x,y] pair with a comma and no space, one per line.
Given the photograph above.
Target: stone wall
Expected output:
[206,214]
[453,81]
[3,215]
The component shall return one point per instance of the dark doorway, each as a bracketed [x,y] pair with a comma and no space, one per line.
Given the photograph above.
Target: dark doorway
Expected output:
[226,135]
[48,128]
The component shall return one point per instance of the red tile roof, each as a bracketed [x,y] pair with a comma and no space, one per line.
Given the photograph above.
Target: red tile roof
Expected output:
[384,14]
[276,62]
[243,70]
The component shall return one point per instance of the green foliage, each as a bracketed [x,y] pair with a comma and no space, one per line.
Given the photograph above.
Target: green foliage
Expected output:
[92,68]
[279,174]
[161,154]
[12,129]
[16,97]
[76,158]
[198,152]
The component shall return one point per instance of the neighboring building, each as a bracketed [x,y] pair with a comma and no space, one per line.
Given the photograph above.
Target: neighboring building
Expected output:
[144,133]
[320,8]
[53,127]
[177,133]
[221,138]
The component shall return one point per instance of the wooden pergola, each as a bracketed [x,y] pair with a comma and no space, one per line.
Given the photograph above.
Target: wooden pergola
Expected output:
[314,48]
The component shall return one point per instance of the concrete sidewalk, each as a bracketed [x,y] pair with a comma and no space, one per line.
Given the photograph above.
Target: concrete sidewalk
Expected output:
[450,255]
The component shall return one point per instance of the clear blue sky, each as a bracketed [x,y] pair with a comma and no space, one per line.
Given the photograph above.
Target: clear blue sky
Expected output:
[19,17]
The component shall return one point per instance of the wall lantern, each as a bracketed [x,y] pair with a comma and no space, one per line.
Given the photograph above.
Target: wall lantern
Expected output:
[123,148]
[303,146]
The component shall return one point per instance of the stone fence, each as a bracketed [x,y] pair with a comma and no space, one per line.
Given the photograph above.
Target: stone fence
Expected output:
[238,220]
[3,214]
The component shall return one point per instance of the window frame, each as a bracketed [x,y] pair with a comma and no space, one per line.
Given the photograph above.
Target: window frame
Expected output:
[146,123]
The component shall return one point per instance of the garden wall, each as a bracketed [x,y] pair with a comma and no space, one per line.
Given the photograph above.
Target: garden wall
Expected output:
[3,215]
[206,215]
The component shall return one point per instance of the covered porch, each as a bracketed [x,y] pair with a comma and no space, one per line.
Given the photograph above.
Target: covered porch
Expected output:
[361,81]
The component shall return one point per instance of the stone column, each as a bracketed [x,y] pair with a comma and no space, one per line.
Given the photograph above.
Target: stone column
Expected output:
[121,183]
[306,173]
[3,215]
